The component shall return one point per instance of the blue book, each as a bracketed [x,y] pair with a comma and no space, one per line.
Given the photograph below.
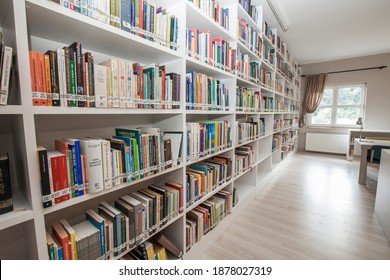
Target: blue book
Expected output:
[77,158]
[98,222]
[132,13]
[125,15]
[60,253]
[129,154]
[114,215]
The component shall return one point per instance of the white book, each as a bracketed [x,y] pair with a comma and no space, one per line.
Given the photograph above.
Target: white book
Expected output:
[107,163]
[5,74]
[113,65]
[122,83]
[100,77]
[93,151]
[60,66]
[130,93]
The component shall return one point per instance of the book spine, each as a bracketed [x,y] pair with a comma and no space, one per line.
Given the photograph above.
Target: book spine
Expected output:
[91,80]
[5,74]
[48,79]
[45,181]
[78,56]
[54,78]
[6,204]
[93,152]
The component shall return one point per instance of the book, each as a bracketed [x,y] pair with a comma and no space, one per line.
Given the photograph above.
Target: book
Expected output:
[44,176]
[6,65]
[72,237]
[50,246]
[176,138]
[93,151]
[98,222]
[62,236]
[164,241]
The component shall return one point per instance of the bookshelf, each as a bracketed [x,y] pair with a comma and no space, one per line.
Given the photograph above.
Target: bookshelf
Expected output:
[35,25]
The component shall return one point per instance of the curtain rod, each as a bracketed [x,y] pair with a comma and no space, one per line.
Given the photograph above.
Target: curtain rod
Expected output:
[353,70]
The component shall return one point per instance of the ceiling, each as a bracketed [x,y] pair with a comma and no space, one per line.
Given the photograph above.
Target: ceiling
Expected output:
[326,30]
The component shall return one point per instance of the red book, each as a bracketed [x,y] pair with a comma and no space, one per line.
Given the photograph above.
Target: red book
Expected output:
[62,236]
[63,176]
[141,15]
[54,175]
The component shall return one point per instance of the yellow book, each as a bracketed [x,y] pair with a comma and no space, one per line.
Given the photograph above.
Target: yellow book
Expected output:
[149,250]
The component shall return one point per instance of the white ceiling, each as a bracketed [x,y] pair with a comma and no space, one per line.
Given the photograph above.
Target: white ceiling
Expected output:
[326,30]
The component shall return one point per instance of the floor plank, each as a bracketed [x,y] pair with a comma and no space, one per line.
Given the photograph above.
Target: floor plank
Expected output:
[312,209]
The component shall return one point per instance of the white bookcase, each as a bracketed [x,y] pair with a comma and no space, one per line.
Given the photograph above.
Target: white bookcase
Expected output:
[39,25]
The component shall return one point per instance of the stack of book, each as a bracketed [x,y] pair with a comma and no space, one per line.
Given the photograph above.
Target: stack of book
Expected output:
[5,70]
[68,77]
[134,16]
[205,93]
[204,177]
[268,104]
[245,159]
[206,216]
[90,165]
[266,78]
[207,137]
[276,141]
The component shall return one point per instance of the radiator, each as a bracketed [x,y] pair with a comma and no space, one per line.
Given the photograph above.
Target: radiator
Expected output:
[327,143]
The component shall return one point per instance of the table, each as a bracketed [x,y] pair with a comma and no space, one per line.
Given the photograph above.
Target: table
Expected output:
[366,145]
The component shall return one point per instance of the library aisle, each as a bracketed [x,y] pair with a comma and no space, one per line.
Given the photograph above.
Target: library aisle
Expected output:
[313,208]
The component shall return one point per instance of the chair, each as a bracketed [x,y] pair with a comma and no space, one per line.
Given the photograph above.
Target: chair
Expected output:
[374,154]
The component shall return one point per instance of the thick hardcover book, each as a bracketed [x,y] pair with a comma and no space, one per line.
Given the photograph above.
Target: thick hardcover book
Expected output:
[6,204]
[91,81]
[99,222]
[128,211]
[100,83]
[164,241]
[77,163]
[62,236]
[138,212]
[92,149]
[77,56]
[44,174]
[5,74]
[114,215]
[72,237]
[55,91]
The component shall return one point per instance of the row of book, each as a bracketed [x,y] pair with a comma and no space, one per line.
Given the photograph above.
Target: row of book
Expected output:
[115,228]
[205,93]
[140,17]
[281,106]
[266,78]
[213,51]
[252,10]
[249,129]
[91,165]
[6,62]
[213,9]
[204,177]
[6,202]
[250,37]
[204,217]
[207,137]
[268,33]
[284,123]
[249,100]
[268,53]
[156,248]
[245,159]
[70,78]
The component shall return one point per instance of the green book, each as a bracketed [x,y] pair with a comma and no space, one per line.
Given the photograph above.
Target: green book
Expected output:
[136,156]
[73,82]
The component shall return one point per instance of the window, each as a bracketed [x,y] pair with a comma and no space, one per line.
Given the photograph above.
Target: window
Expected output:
[340,105]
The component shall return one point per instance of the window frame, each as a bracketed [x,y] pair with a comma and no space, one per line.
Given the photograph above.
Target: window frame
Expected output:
[335,106]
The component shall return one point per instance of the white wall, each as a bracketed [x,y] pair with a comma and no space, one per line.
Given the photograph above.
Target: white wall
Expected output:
[377,114]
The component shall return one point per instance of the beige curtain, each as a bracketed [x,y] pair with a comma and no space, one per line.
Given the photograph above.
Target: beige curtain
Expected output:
[313,94]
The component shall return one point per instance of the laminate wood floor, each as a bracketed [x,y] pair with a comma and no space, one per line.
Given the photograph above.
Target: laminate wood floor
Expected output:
[312,209]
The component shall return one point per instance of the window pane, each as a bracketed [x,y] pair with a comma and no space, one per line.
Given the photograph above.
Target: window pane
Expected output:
[347,116]
[350,96]
[322,116]
[327,97]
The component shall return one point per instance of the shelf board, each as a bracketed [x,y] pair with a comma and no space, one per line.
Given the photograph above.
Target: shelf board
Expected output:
[94,35]
[247,142]
[208,156]
[203,112]
[244,172]
[44,110]
[207,196]
[204,68]
[196,19]
[11,110]
[241,82]
[87,197]
[246,50]
[22,212]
